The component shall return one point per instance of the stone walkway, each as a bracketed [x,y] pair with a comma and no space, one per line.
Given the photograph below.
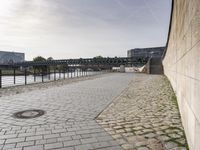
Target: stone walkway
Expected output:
[145,116]
[69,122]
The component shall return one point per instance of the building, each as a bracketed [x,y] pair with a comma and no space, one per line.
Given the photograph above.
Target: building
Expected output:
[146,52]
[11,57]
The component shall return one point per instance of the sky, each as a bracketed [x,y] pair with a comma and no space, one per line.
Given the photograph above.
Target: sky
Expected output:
[65,29]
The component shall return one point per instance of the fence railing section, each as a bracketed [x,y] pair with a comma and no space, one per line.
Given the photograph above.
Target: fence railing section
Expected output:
[13,77]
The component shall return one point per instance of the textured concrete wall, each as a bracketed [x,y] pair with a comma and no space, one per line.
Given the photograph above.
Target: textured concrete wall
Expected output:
[182,65]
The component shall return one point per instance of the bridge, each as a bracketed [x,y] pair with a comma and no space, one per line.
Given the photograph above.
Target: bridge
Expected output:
[101,62]
[51,70]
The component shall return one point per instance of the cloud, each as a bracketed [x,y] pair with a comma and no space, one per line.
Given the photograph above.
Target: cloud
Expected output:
[81,27]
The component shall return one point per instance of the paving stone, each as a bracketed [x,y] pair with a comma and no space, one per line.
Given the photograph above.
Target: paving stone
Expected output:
[140,144]
[72,143]
[2,142]
[8,136]
[23,144]
[14,140]
[170,145]
[68,134]
[26,134]
[16,148]
[101,145]
[127,146]
[111,148]
[88,140]
[76,137]
[31,138]
[51,136]
[66,148]
[84,147]
[37,147]
[104,138]
[9,146]
[150,135]
[143,148]
[67,138]
[53,145]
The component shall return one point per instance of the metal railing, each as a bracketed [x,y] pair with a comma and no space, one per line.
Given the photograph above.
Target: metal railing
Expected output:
[16,76]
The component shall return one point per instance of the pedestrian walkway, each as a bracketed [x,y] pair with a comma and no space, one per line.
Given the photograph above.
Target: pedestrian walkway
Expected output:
[69,119]
[145,116]
[108,112]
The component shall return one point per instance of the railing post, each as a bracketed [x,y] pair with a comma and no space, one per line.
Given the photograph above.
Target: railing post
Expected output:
[49,73]
[59,73]
[77,72]
[71,72]
[25,76]
[64,73]
[0,78]
[42,75]
[67,72]
[34,75]
[54,71]
[14,75]
[74,72]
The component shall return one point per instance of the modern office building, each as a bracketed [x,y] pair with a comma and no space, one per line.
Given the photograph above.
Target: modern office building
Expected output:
[11,57]
[146,52]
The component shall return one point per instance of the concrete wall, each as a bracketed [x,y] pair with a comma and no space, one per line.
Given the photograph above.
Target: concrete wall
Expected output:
[182,65]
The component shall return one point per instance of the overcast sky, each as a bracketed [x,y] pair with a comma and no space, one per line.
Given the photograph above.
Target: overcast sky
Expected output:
[82,28]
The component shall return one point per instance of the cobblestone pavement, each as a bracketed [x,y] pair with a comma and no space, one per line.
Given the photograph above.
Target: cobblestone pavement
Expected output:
[145,116]
[69,122]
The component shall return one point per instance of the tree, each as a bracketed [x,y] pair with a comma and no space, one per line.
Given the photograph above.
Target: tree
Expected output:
[98,57]
[50,58]
[40,69]
[39,58]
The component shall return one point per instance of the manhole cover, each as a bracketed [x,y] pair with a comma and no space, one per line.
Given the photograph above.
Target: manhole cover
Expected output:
[27,114]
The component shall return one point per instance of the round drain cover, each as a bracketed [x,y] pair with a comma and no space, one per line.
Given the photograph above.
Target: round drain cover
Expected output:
[27,114]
